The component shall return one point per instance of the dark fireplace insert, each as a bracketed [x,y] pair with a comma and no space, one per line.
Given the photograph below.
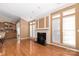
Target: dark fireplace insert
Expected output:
[41,38]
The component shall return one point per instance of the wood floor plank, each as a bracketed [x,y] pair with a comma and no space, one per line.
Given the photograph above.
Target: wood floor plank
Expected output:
[28,47]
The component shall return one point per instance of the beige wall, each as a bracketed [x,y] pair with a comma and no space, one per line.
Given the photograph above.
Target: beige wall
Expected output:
[37,24]
[77,26]
[47,21]
[24,26]
[41,23]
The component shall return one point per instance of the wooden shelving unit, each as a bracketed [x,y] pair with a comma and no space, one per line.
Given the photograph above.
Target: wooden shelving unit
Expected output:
[9,28]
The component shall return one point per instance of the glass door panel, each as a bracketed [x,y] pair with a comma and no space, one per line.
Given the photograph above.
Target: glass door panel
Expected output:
[30,30]
[69,31]
[56,30]
[34,30]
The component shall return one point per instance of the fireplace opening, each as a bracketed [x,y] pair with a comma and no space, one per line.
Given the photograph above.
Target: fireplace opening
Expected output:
[41,38]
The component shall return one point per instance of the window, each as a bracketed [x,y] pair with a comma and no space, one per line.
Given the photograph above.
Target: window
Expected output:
[33,29]
[30,30]
[69,35]
[56,29]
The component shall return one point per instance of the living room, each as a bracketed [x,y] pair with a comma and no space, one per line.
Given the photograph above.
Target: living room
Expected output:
[39,29]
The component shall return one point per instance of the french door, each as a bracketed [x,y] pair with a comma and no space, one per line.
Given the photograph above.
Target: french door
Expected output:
[18,30]
[68,28]
[56,30]
[69,35]
[34,30]
[31,30]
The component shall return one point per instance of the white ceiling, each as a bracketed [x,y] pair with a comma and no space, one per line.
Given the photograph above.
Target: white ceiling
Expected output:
[28,11]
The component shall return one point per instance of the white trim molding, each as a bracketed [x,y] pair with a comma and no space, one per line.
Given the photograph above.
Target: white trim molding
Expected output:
[73,49]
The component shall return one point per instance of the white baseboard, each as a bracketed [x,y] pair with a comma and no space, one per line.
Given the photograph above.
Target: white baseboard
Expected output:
[73,49]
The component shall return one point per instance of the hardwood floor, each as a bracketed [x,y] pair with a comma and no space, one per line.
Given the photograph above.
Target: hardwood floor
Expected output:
[31,48]
[12,48]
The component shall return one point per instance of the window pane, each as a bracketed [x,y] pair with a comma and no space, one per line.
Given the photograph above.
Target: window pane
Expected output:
[69,23]
[30,30]
[56,30]
[69,38]
[56,37]
[34,30]
[69,31]
[56,24]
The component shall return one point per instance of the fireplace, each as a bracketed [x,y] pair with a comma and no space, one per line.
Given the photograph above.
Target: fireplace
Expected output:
[41,38]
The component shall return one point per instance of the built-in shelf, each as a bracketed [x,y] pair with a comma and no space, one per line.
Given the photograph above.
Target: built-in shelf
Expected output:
[9,29]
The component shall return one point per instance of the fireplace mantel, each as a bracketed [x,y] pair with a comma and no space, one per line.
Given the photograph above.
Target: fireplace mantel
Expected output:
[42,29]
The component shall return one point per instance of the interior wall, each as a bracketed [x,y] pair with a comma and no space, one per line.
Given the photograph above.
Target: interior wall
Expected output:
[41,23]
[50,29]
[77,26]
[24,28]
[47,22]
[37,24]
